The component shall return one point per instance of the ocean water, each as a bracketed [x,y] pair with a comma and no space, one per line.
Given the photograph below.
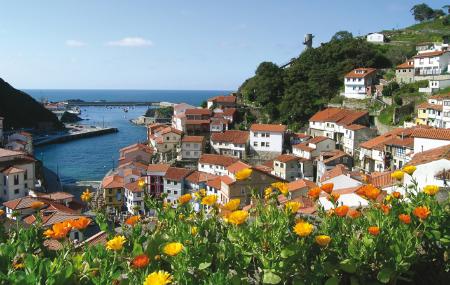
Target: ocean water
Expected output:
[90,158]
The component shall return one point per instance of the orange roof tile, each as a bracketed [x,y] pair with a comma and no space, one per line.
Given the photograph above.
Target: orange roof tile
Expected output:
[215,183]
[223,99]
[426,105]
[360,72]
[193,139]
[286,158]
[440,96]
[437,134]
[406,65]
[231,136]
[199,176]
[438,153]
[355,127]
[268,128]
[198,112]
[134,187]
[429,54]
[338,170]
[318,139]
[160,167]
[303,146]
[300,184]
[176,173]
[112,181]
[237,166]
[217,159]
[381,179]
[339,116]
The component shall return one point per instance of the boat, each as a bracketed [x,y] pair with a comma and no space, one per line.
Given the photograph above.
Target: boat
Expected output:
[74,110]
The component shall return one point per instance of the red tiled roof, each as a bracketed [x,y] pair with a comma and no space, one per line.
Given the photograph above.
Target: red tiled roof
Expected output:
[300,184]
[430,54]
[196,139]
[6,152]
[334,154]
[112,181]
[215,183]
[406,65]
[339,116]
[160,167]
[20,203]
[237,166]
[303,146]
[223,99]
[197,122]
[177,174]
[232,136]
[227,180]
[169,130]
[134,187]
[131,171]
[338,170]
[217,159]
[268,128]
[365,72]
[287,157]
[379,141]
[199,176]
[301,135]
[55,196]
[229,111]
[440,96]
[198,112]
[381,179]
[12,170]
[405,142]
[318,139]
[355,127]
[438,153]
[437,134]
[263,168]
[427,105]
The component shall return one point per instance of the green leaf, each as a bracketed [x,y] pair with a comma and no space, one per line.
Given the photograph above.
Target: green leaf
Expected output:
[271,278]
[286,253]
[332,281]
[354,280]
[385,275]
[204,265]
[348,266]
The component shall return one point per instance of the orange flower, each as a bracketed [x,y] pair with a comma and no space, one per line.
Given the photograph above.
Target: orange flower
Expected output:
[341,211]
[59,230]
[1,212]
[385,209]
[81,223]
[369,191]
[396,195]
[314,193]
[37,205]
[334,197]
[327,187]
[354,213]
[131,221]
[140,261]
[406,219]
[421,212]
[374,230]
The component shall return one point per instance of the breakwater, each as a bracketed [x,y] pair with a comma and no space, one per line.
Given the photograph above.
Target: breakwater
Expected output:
[60,138]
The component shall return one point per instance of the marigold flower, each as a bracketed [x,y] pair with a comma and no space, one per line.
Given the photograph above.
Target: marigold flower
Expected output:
[158,278]
[140,261]
[49,233]
[281,186]
[327,187]
[194,231]
[369,191]
[314,193]
[292,206]
[131,221]
[237,217]
[354,213]
[243,174]
[37,205]
[396,195]
[421,212]
[406,219]
[116,243]
[185,199]
[431,189]
[141,183]
[398,175]
[323,240]
[173,248]
[86,196]
[81,223]
[409,169]
[334,197]
[59,230]
[374,230]
[385,209]
[200,194]
[209,200]
[303,229]
[341,211]
[18,265]
[232,205]
[267,192]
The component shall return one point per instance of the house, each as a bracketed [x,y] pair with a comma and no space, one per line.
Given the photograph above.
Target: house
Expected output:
[382,180]
[113,193]
[20,141]
[61,198]
[154,179]
[435,112]
[359,83]
[174,183]
[17,174]
[19,208]
[226,113]
[426,139]
[347,196]
[232,143]
[236,167]
[290,167]
[404,73]
[354,135]
[134,198]
[329,159]
[341,177]
[136,152]
[218,125]
[433,167]
[375,38]
[198,114]
[267,139]
[431,63]
[330,122]
[300,187]
[400,150]
[164,142]
[313,147]
[221,102]
[197,180]
[297,138]
[215,163]
[192,147]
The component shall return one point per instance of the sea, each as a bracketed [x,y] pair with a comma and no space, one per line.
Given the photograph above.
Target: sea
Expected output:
[89,159]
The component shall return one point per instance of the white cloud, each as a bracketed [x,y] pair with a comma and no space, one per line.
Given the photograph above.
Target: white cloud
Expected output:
[75,43]
[131,42]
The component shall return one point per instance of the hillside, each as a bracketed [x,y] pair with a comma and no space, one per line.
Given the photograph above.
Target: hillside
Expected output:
[20,110]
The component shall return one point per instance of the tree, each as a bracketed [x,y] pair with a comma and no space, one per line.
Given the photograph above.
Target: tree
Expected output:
[204,104]
[342,36]
[389,89]
[422,12]
[438,13]
[446,7]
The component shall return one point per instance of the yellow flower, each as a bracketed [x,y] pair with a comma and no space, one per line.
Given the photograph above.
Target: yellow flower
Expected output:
[158,278]
[267,192]
[431,189]
[282,187]
[185,199]
[37,205]
[173,248]
[141,183]
[243,174]
[1,212]
[409,169]
[86,196]
[398,175]
[194,231]
[237,217]
[116,243]
[303,229]
[209,200]
[232,205]
[200,194]
[323,240]
[18,266]
[292,206]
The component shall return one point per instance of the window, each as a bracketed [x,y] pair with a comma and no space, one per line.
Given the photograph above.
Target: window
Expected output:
[267,144]
[175,183]
[188,145]
[25,175]
[255,143]
[175,192]
[168,191]
[16,191]
[446,103]
[110,199]
[167,138]
[263,143]
[16,179]
[267,135]
[26,185]
[255,134]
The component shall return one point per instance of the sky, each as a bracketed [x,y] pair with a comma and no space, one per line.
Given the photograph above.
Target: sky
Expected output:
[168,44]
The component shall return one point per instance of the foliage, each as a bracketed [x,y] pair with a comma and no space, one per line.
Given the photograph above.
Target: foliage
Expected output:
[390,240]
[342,35]
[204,104]
[422,12]
[386,115]
[389,89]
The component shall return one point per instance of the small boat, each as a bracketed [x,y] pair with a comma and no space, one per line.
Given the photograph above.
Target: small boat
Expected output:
[74,110]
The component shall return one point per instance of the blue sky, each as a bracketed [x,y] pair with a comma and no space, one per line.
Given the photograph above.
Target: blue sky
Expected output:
[112,44]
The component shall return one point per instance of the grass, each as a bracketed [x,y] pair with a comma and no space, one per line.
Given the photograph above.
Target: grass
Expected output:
[386,115]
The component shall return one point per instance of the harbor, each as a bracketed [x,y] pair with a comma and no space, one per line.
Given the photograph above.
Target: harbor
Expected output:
[73,132]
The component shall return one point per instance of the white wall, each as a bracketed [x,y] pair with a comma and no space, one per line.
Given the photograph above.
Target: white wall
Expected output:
[212,169]
[173,189]
[424,144]
[275,140]
[425,174]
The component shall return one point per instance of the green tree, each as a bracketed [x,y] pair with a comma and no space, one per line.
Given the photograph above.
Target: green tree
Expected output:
[438,13]
[389,89]
[446,7]
[204,104]
[422,12]
[342,35]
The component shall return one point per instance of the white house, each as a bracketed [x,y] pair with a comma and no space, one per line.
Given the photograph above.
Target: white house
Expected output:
[313,147]
[191,147]
[232,143]
[290,167]
[134,198]
[426,139]
[354,135]
[174,183]
[435,112]
[215,163]
[348,197]
[267,139]
[20,141]
[341,177]
[375,38]
[431,63]
[359,83]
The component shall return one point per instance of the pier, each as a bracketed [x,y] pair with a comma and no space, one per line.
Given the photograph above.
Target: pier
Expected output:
[111,104]
[73,134]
